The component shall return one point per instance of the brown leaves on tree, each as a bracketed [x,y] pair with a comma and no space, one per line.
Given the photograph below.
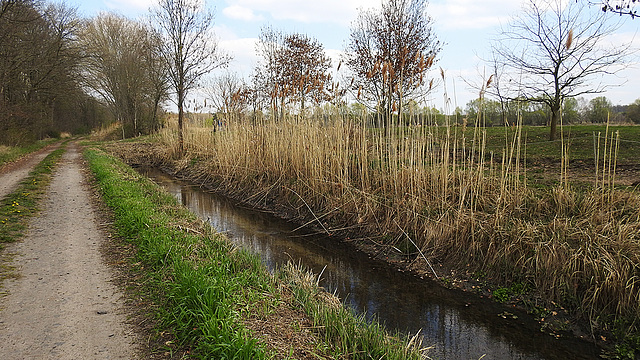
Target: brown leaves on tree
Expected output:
[295,71]
[390,51]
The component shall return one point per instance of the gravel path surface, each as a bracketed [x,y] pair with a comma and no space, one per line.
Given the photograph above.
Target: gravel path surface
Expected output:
[63,305]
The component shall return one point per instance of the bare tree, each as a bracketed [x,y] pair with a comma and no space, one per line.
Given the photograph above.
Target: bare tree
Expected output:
[499,86]
[189,47]
[554,49]
[39,47]
[38,64]
[495,87]
[389,53]
[265,77]
[122,65]
[157,74]
[228,94]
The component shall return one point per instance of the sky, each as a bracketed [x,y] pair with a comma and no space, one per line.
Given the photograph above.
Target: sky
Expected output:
[466,27]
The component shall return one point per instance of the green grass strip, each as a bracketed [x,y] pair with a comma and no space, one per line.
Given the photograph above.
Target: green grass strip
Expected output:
[198,278]
[203,286]
[17,207]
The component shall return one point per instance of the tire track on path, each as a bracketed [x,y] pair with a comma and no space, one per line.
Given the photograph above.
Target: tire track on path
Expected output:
[63,305]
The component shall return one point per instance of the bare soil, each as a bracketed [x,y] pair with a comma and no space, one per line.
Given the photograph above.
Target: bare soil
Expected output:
[63,303]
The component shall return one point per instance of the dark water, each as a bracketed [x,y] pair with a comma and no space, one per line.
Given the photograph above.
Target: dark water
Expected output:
[457,324]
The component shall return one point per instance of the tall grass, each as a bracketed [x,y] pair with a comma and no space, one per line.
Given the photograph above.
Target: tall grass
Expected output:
[443,191]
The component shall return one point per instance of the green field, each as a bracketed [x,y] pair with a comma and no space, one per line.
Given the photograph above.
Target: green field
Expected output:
[581,139]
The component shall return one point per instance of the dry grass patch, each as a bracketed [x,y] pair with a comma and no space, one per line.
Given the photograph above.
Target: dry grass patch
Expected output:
[440,189]
[286,330]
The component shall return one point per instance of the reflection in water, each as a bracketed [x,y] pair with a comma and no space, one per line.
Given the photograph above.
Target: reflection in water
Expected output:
[458,325]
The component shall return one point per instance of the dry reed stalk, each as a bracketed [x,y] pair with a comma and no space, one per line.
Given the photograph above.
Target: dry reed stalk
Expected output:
[444,192]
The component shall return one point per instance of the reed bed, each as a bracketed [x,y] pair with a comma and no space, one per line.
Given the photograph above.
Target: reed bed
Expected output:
[436,191]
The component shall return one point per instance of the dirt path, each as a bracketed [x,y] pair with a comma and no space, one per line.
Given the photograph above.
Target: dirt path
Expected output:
[63,305]
[12,174]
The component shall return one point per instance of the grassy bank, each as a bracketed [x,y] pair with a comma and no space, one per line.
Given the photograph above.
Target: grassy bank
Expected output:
[438,194]
[11,153]
[19,206]
[212,297]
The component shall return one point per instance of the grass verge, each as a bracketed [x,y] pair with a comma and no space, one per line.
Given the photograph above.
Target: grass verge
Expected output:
[11,153]
[205,291]
[17,207]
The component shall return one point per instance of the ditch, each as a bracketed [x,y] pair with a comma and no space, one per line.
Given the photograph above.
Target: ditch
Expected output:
[454,323]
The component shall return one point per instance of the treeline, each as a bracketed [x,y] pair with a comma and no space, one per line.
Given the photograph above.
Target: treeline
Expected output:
[574,111]
[39,57]
[61,73]
[385,66]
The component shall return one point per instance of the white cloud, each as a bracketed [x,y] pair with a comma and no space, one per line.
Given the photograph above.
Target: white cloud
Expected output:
[453,13]
[335,55]
[332,11]
[472,14]
[224,32]
[620,39]
[241,13]
[244,55]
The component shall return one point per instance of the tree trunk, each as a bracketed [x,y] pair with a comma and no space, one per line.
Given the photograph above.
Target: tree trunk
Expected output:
[154,115]
[555,117]
[135,120]
[180,121]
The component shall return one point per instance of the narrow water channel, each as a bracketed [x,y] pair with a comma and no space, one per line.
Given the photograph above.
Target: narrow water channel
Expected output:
[457,325]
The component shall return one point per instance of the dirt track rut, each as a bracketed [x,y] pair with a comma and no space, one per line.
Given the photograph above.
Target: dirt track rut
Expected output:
[63,305]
